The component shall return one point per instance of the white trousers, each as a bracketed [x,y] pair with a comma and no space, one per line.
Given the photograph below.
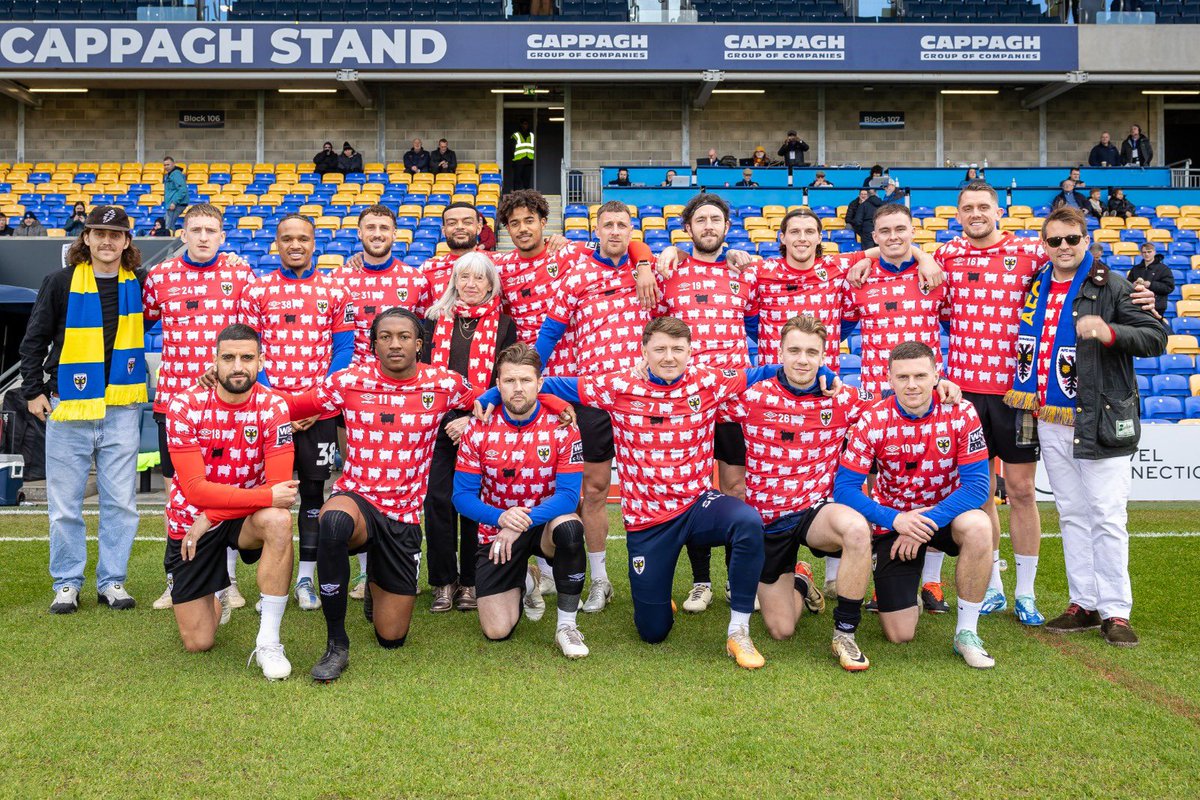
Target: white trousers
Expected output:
[1092,499]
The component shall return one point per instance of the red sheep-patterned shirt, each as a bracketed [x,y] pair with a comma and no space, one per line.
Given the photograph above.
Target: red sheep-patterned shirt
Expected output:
[374,291]
[918,459]
[714,300]
[986,289]
[528,286]
[784,292]
[518,465]
[194,304]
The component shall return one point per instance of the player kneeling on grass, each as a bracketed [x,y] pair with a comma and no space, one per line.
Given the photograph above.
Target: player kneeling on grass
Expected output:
[794,434]
[519,476]
[232,450]
[933,478]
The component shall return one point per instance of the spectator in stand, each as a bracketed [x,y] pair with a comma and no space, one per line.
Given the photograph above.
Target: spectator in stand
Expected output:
[487,236]
[1074,175]
[876,174]
[5,228]
[325,161]
[1104,154]
[416,159]
[75,224]
[159,228]
[669,179]
[175,191]
[1068,197]
[973,174]
[759,159]
[622,178]
[1097,251]
[1136,150]
[1095,206]
[792,150]
[350,161]
[444,159]
[747,180]
[30,226]
[1118,206]
[1152,272]
[860,215]
[710,160]
[820,182]
[894,193]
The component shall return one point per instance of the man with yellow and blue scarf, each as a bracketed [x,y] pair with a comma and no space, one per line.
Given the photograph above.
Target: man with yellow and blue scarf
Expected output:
[86,333]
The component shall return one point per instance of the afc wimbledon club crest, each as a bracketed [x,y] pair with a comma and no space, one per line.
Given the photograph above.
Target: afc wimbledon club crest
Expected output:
[227,288]
[1068,379]
[427,400]
[552,269]
[826,416]
[250,434]
[820,272]
[80,379]
[735,287]
[639,564]
[543,452]
[402,294]
[694,403]
[943,445]
[322,305]
[130,364]
[1026,351]
[1010,263]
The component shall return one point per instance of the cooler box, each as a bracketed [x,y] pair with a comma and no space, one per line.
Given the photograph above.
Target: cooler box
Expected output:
[12,478]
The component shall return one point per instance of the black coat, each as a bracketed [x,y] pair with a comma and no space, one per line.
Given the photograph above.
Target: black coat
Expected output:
[1104,154]
[324,163]
[860,216]
[506,336]
[436,158]
[1120,207]
[1142,147]
[350,164]
[1061,199]
[1160,278]
[414,159]
[801,147]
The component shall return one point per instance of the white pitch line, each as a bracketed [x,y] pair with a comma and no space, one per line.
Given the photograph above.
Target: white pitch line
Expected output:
[1137,535]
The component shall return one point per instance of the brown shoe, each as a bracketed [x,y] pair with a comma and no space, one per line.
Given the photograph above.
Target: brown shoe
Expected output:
[464,599]
[1073,620]
[443,598]
[1118,633]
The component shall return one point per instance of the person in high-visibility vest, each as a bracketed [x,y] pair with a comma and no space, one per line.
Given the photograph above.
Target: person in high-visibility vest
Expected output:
[522,158]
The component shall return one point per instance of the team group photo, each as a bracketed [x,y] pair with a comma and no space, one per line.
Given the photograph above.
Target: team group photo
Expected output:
[582,453]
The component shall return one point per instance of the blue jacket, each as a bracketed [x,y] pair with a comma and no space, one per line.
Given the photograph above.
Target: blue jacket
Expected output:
[175,188]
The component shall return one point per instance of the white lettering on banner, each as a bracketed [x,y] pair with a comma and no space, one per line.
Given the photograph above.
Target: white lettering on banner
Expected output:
[89,42]
[8,49]
[1165,467]
[587,46]
[198,55]
[387,47]
[785,47]
[981,48]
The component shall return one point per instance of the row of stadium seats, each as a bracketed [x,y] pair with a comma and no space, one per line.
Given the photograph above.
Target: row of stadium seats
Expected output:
[991,11]
[68,9]
[770,11]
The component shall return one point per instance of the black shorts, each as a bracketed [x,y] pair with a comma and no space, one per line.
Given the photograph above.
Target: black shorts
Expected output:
[340,421]
[595,434]
[781,546]
[164,454]
[897,582]
[493,579]
[393,548]
[207,572]
[999,423]
[314,450]
[729,444]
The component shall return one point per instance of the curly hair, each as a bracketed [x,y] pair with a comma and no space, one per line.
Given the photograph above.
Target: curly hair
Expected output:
[79,253]
[523,198]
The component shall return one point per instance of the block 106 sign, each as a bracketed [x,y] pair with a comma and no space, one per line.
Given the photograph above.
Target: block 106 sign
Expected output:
[202,119]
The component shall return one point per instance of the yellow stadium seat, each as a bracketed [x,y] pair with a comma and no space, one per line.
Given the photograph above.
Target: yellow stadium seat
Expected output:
[441,249]
[1158,235]
[1191,291]
[221,200]
[1103,235]
[330,261]
[1184,211]
[637,236]
[333,223]
[1179,343]
[750,223]
[267,169]
[1170,212]
[575,224]
[679,236]
[404,235]
[303,188]
[246,200]
[368,198]
[13,210]
[312,209]
[394,166]
[1014,224]
[1019,211]
[841,211]
[465,166]
[434,210]
[343,199]
[219,166]
[673,210]
[1194,385]
[1137,223]
[55,233]
[350,222]
[488,166]
[374,186]
[1188,223]
[242,177]
[149,200]
[759,235]
[930,247]
[1188,308]
[332,177]
[1125,248]
[87,166]
[936,224]
[250,223]
[774,211]
[409,210]
[45,166]
[462,198]
[63,177]
[833,224]
[270,199]
[373,166]
[921,235]
[1115,223]
[945,211]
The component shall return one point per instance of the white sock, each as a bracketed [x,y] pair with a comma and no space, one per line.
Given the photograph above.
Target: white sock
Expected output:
[1026,573]
[932,571]
[545,567]
[703,583]
[596,563]
[362,563]
[968,616]
[272,616]
[831,568]
[566,618]
[995,582]
[307,568]
[231,557]
[738,619]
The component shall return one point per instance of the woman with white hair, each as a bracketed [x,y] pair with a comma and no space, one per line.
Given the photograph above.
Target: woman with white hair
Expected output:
[464,332]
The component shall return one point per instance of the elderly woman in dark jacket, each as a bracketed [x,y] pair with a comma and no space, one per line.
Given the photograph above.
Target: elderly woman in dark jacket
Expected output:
[464,331]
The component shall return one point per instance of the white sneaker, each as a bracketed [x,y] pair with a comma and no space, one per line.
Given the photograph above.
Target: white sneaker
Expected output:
[164,600]
[306,595]
[226,607]
[599,595]
[729,598]
[358,587]
[699,599]
[533,604]
[968,645]
[66,601]
[275,666]
[570,641]
[234,596]
[546,585]
[115,597]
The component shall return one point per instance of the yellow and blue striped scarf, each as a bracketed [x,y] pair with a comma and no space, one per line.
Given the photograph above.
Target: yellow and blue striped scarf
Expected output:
[83,391]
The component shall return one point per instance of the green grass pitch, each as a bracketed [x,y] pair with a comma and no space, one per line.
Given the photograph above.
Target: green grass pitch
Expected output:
[108,704]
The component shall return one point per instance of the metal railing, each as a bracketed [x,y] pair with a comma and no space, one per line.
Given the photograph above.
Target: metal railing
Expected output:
[1183,176]
[581,186]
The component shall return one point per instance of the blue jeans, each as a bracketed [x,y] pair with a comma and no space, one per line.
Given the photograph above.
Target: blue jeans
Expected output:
[71,447]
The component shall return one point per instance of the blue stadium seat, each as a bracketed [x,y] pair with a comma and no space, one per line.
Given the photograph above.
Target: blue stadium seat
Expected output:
[1191,407]
[1169,385]
[852,379]
[1175,364]
[1163,408]
[1143,385]
[1146,366]
[1188,325]
[849,363]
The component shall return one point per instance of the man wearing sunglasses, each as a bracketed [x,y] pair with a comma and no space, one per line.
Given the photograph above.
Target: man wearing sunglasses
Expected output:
[1077,379]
